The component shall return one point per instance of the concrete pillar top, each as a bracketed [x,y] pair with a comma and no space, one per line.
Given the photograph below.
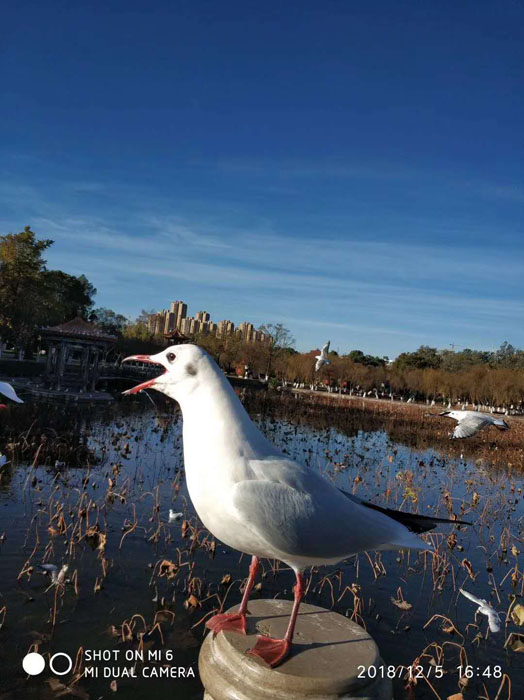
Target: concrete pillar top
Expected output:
[327,650]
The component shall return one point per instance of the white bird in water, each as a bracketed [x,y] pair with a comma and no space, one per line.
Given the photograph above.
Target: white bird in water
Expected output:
[485,608]
[255,499]
[7,390]
[173,517]
[322,359]
[470,422]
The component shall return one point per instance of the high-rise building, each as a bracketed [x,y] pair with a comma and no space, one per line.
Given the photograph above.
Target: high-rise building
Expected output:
[179,309]
[166,321]
[202,316]
[225,328]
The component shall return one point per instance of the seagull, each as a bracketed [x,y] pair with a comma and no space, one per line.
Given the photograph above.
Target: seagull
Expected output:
[255,499]
[470,422]
[322,359]
[7,390]
[57,576]
[485,608]
[173,517]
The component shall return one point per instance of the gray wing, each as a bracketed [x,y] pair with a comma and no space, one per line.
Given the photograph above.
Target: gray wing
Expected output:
[299,513]
[470,426]
[48,568]
[7,390]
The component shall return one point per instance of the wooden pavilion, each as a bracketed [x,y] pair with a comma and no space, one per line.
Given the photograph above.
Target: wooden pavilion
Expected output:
[74,352]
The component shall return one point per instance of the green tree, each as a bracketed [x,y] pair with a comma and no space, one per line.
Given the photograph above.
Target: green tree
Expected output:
[32,296]
[63,296]
[109,320]
[21,270]
[423,358]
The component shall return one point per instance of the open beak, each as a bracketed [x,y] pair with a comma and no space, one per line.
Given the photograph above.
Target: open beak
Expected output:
[145,385]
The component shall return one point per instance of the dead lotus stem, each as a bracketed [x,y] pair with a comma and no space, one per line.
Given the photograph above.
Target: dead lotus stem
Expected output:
[437,616]
[491,578]
[77,668]
[164,612]
[203,618]
[505,679]
[321,584]
[131,529]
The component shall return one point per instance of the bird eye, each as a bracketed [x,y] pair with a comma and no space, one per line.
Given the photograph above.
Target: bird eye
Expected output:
[171,356]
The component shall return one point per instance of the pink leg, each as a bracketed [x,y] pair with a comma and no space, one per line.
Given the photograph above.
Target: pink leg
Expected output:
[236,621]
[274,651]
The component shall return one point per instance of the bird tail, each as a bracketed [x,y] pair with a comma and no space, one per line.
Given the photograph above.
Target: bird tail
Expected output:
[417,523]
[413,521]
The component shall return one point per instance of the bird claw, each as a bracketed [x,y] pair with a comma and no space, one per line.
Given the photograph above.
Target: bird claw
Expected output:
[272,651]
[236,622]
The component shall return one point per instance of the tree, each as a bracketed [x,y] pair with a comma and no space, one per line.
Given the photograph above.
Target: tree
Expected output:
[424,357]
[280,339]
[32,296]
[368,360]
[21,270]
[63,297]
[108,320]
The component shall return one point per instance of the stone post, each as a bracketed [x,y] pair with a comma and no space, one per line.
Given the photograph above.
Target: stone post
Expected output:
[328,654]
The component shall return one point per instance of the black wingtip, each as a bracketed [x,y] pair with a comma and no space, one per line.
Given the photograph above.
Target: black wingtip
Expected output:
[413,521]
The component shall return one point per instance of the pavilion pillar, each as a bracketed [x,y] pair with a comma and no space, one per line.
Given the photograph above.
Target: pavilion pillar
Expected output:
[84,381]
[94,370]
[60,365]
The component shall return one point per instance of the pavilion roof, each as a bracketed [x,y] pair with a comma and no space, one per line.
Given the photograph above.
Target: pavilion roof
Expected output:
[176,335]
[80,329]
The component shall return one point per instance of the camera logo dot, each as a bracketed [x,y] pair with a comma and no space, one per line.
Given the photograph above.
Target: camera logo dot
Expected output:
[33,663]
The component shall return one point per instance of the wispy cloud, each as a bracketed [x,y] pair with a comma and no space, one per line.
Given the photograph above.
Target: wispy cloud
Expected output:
[405,290]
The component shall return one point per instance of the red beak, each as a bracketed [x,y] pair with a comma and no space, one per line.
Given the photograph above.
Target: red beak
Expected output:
[145,385]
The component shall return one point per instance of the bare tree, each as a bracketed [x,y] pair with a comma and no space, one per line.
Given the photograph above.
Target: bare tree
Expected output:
[280,340]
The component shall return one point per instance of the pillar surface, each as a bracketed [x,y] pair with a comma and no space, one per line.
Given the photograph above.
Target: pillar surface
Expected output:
[324,664]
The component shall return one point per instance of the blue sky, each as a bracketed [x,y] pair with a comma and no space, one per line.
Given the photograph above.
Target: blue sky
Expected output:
[351,169]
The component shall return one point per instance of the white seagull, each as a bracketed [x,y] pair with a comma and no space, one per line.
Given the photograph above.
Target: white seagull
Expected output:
[322,359]
[7,390]
[470,422]
[485,608]
[257,500]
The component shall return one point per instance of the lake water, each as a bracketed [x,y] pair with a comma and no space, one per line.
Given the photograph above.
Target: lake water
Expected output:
[105,513]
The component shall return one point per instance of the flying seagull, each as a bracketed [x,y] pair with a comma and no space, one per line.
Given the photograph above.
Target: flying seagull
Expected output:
[322,359]
[485,608]
[470,422]
[7,390]
[57,575]
[257,500]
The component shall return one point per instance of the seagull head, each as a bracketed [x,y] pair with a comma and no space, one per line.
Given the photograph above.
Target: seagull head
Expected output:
[182,367]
